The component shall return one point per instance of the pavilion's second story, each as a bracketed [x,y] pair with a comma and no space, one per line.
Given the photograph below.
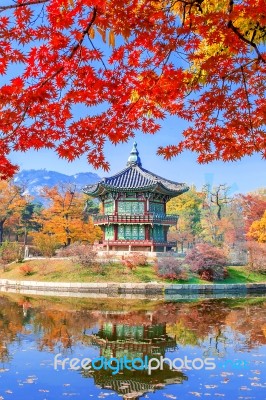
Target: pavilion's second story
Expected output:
[135,208]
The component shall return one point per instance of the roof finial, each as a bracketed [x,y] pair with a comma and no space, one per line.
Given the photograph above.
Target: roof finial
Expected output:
[134,158]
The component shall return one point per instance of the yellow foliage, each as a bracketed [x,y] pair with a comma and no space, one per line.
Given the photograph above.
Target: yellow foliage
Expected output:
[64,219]
[188,201]
[11,201]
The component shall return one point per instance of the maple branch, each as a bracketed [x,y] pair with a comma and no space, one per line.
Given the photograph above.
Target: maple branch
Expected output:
[239,68]
[247,97]
[28,3]
[21,120]
[75,48]
[242,37]
[94,48]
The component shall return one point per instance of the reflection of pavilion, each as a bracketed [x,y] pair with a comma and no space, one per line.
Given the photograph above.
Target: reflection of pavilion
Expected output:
[134,341]
[117,340]
[133,384]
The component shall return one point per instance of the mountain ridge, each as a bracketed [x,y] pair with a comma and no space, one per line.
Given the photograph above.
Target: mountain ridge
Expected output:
[35,179]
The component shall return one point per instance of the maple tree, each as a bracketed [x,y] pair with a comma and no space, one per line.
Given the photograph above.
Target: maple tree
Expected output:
[138,62]
[253,206]
[64,220]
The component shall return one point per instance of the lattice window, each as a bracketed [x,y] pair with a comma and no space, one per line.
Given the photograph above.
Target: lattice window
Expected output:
[109,207]
[109,232]
[141,232]
[131,232]
[121,232]
[157,208]
[157,233]
[130,207]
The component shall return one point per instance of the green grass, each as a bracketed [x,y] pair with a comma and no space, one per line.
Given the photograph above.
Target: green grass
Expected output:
[51,270]
[243,275]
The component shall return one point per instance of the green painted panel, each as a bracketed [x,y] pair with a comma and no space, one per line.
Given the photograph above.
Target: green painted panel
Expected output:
[141,232]
[109,232]
[157,208]
[128,232]
[121,232]
[109,207]
[130,207]
[157,233]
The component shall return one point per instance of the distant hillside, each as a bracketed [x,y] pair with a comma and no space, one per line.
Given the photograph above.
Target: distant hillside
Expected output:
[36,179]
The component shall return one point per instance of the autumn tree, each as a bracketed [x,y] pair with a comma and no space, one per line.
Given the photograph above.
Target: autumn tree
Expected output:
[11,203]
[28,219]
[188,208]
[64,220]
[138,61]
[257,230]
[214,221]
[253,206]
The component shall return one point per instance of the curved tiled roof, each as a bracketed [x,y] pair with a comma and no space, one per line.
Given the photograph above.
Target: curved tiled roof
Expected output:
[136,178]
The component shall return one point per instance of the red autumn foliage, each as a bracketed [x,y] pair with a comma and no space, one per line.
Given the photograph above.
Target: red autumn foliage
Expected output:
[253,207]
[171,268]
[134,260]
[26,269]
[257,257]
[207,261]
[59,56]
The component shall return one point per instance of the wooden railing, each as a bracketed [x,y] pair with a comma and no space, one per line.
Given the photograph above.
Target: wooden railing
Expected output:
[121,242]
[150,218]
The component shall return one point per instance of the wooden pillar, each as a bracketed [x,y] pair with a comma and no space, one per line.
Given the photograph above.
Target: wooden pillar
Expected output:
[115,232]
[165,232]
[147,205]
[147,232]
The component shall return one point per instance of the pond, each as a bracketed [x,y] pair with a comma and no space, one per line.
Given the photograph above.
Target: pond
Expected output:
[59,348]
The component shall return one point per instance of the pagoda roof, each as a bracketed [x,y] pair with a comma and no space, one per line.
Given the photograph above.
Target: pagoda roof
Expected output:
[135,178]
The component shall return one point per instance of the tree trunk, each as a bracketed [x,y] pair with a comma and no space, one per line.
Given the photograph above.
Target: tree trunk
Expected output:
[25,236]
[1,231]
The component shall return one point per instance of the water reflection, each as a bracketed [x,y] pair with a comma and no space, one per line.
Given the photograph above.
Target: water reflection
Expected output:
[143,341]
[33,330]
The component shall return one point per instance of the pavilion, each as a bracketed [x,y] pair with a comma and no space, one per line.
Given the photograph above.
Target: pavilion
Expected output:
[134,208]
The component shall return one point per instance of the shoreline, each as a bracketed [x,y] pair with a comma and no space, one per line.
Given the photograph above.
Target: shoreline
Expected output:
[132,290]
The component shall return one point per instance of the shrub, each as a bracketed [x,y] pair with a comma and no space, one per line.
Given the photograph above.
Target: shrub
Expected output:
[45,243]
[10,251]
[82,254]
[207,261]
[26,269]
[171,268]
[134,260]
[257,257]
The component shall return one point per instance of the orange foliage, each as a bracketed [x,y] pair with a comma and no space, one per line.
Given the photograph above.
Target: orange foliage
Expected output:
[11,203]
[64,218]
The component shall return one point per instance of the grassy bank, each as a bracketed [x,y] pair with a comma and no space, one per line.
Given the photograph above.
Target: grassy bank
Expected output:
[51,270]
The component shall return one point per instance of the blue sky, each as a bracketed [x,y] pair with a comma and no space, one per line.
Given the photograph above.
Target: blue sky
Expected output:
[243,176]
